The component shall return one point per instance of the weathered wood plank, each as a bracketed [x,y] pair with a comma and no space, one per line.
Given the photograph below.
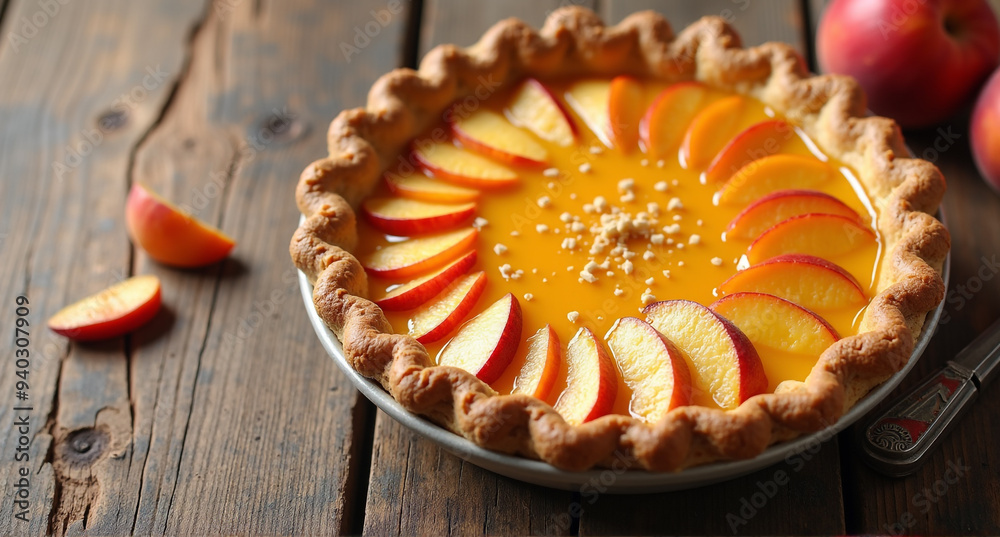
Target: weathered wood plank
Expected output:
[405,467]
[82,84]
[757,22]
[807,494]
[253,429]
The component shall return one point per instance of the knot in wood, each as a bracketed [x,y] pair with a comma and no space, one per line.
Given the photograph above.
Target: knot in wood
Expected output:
[113,119]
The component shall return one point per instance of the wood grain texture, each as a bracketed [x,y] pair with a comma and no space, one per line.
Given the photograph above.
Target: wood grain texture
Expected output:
[83,83]
[257,432]
[757,22]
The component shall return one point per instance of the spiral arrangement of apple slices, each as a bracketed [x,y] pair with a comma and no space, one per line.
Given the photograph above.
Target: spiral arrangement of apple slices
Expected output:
[681,346]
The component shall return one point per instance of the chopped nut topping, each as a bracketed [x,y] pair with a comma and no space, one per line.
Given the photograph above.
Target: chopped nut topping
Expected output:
[680,263]
[666,273]
[541,228]
[627,197]
[672,229]
[647,297]
[515,233]
[551,172]
[569,243]
[544,202]
[660,186]
[585,167]
[480,222]
[627,267]
[619,291]
[694,239]
[528,297]
[650,281]
[506,271]
[626,184]
[577,227]
[661,163]
[499,249]
[596,150]
[656,238]
[566,217]
[648,254]
[573,316]
[644,162]
[600,204]
[717,261]
[674,203]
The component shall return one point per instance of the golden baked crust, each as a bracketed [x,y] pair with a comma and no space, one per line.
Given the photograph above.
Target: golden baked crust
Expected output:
[364,142]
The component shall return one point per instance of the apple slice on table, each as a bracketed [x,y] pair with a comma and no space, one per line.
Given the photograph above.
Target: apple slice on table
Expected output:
[489,133]
[417,256]
[710,130]
[652,366]
[402,216]
[591,380]
[541,365]
[827,235]
[486,344]
[755,142]
[438,318]
[535,108]
[626,105]
[769,174]
[117,310]
[169,235]
[809,281]
[723,360]
[663,126]
[423,188]
[776,323]
[450,163]
[590,100]
[767,211]
[415,292]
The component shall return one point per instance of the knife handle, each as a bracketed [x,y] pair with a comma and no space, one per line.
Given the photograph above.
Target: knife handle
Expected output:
[897,441]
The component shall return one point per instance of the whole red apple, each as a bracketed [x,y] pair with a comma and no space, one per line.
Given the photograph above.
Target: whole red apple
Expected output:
[918,61]
[984,132]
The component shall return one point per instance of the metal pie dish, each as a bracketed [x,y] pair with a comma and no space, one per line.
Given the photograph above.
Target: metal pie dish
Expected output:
[616,479]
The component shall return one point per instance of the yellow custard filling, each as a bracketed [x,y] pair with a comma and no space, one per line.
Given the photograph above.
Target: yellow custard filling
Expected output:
[551,235]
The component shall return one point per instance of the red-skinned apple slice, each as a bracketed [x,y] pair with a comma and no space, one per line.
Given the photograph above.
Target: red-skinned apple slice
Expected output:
[170,236]
[710,130]
[828,235]
[418,256]
[112,312]
[722,359]
[625,109]
[776,323]
[764,213]
[590,100]
[402,216]
[541,365]
[811,282]
[651,366]
[445,313]
[416,292]
[662,128]
[485,345]
[535,108]
[769,174]
[755,142]
[591,380]
[450,163]
[423,188]
[489,133]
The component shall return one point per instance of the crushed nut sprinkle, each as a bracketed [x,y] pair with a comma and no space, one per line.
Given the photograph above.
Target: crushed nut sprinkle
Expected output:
[528,297]
[660,186]
[541,228]
[585,167]
[551,172]
[499,249]
[544,202]
[573,316]
[480,222]
[717,261]
[694,239]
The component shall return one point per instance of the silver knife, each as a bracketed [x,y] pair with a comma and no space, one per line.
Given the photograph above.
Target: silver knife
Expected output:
[900,440]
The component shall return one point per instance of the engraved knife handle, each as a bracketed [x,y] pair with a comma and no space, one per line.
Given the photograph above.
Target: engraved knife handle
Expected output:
[897,441]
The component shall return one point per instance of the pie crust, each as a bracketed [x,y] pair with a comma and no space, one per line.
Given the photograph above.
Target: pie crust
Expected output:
[364,142]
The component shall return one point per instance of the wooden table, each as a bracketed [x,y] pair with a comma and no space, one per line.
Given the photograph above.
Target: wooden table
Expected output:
[225,415]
